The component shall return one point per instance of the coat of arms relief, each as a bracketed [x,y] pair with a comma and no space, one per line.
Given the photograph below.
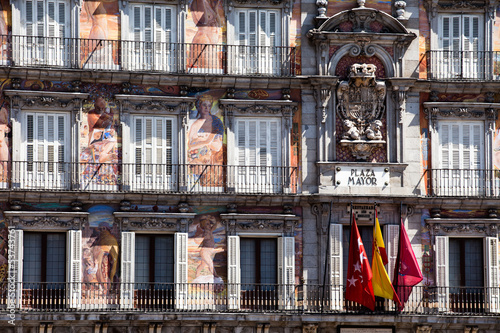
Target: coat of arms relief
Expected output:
[361,105]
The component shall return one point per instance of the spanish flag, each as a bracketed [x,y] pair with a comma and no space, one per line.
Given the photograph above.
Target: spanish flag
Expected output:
[381,283]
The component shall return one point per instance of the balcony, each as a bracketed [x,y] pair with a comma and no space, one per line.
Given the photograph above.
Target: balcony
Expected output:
[176,298]
[478,183]
[463,65]
[148,178]
[172,58]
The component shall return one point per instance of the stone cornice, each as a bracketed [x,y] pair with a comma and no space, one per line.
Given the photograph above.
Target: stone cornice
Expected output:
[260,223]
[46,99]
[457,226]
[171,222]
[46,220]
[155,104]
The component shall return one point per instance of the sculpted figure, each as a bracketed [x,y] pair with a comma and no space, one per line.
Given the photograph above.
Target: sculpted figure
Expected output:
[373,131]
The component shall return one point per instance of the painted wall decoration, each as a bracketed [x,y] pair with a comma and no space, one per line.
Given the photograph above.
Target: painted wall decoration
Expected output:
[99,21]
[336,6]
[100,251]
[4,245]
[205,140]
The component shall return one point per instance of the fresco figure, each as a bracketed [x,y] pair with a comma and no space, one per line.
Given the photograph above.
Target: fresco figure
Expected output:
[208,16]
[207,225]
[4,144]
[102,144]
[205,144]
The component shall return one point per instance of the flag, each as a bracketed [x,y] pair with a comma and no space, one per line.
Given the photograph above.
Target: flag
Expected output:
[381,283]
[407,272]
[359,275]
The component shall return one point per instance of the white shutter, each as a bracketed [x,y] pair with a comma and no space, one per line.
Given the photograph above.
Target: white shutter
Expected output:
[74,269]
[258,142]
[286,272]
[137,27]
[442,279]
[337,290]
[127,270]
[391,247]
[15,265]
[181,270]
[492,275]
[233,272]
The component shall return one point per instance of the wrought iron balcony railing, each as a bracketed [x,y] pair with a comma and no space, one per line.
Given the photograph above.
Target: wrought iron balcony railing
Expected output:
[245,298]
[155,178]
[120,55]
[463,182]
[463,65]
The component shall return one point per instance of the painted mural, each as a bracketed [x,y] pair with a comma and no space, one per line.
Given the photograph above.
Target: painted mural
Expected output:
[99,155]
[205,140]
[99,20]
[100,250]
[4,243]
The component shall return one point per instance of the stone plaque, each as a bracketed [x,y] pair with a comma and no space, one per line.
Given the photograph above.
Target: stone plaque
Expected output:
[362,176]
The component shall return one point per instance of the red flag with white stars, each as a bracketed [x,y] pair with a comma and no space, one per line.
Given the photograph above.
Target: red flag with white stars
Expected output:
[359,287]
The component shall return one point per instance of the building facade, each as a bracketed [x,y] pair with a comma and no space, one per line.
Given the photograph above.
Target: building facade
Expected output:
[192,166]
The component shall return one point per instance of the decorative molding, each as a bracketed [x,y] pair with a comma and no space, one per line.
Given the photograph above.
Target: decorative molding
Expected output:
[321,211]
[472,226]
[170,222]
[283,223]
[321,4]
[309,328]
[46,220]
[29,99]
[400,10]
[399,95]
[155,104]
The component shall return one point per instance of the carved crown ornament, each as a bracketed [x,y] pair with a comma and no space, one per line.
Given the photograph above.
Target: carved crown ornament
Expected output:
[241,223]
[435,6]
[463,227]
[27,99]
[46,220]
[170,222]
[360,106]
[155,104]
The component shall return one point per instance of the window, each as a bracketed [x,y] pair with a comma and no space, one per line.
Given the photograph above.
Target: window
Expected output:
[154,261]
[148,263]
[258,155]
[257,36]
[261,273]
[152,30]
[44,264]
[461,158]
[45,150]
[49,22]
[460,44]
[155,151]
[461,284]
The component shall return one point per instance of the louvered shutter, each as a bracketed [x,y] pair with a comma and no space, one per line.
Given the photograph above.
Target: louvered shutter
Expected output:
[442,280]
[233,272]
[181,270]
[392,247]
[30,14]
[40,19]
[286,272]
[74,269]
[127,270]
[492,275]
[337,290]
[15,264]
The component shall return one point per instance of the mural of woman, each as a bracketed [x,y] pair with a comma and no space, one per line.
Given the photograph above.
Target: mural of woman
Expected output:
[205,143]
[208,17]
[4,144]
[205,270]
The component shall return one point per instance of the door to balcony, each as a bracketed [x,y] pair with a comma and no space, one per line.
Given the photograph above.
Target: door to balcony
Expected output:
[461,166]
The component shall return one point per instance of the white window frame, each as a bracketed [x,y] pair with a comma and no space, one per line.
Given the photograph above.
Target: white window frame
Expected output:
[265,58]
[463,179]
[285,271]
[156,51]
[47,173]
[53,45]
[491,267]
[265,176]
[161,175]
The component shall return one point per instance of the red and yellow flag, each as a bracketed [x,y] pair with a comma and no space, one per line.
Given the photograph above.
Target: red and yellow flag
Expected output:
[380,281]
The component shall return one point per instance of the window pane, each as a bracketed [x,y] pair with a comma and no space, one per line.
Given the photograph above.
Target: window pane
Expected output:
[56,257]
[32,262]
[248,261]
[141,259]
[164,259]
[268,261]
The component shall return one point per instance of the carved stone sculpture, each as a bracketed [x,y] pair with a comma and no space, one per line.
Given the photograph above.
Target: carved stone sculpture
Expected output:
[361,105]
